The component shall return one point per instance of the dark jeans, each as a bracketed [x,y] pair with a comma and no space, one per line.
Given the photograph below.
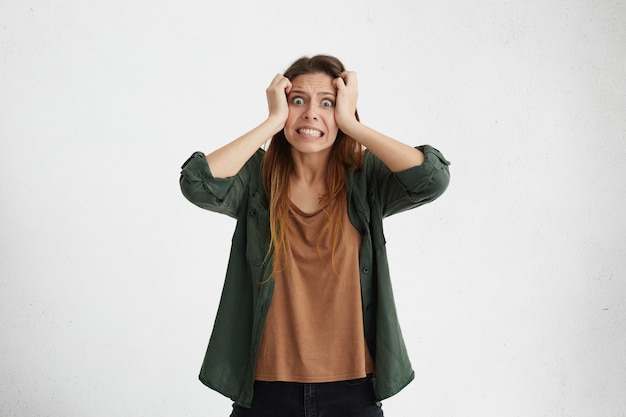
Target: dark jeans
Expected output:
[354,398]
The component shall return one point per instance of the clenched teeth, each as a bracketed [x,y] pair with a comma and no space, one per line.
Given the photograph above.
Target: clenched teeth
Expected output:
[310,132]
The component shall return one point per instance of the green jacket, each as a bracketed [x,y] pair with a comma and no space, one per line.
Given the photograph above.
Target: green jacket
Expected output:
[374,192]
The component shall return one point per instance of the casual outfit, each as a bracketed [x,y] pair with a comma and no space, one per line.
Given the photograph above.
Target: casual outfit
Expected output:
[314,327]
[275,332]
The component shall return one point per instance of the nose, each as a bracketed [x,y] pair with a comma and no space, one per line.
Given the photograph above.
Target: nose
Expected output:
[310,113]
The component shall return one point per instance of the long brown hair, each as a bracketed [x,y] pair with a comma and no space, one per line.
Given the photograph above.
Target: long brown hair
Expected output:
[278,166]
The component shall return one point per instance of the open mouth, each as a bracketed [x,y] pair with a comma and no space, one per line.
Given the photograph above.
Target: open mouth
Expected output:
[310,132]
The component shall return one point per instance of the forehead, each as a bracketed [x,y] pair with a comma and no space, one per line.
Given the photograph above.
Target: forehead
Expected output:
[318,81]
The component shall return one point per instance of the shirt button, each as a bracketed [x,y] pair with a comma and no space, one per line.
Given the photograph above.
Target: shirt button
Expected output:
[366,269]
[253,212]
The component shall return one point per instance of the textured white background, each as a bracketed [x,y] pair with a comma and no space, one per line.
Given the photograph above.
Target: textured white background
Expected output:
[511,287]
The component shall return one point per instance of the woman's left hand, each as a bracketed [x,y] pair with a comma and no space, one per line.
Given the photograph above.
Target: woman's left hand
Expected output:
[347,95]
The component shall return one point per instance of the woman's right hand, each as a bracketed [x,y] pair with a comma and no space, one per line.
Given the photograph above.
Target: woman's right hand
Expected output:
[229,159]
[277,99]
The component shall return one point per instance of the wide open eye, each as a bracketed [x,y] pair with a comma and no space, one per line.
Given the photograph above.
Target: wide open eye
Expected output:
[327,103]
[298,101]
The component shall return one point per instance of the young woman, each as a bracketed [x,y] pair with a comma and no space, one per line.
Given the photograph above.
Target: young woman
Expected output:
[307,323]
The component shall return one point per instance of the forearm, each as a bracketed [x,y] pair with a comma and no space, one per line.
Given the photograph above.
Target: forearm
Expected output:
[229,159]
[396,155]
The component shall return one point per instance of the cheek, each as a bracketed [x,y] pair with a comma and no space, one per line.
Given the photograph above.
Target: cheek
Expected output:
[331,123]
[292,116]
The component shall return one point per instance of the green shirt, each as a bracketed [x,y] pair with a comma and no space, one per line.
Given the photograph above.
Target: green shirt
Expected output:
[374,192]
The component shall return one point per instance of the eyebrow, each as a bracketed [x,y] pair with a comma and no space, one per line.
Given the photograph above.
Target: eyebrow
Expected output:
[323,93]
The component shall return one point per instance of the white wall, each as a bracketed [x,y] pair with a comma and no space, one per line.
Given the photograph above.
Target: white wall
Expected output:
[510,287]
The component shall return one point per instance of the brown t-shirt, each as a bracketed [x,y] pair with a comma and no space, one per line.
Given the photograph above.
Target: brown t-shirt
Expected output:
[314,327]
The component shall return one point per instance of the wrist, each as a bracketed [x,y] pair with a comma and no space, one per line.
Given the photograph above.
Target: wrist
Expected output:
[351,128]
[274,123]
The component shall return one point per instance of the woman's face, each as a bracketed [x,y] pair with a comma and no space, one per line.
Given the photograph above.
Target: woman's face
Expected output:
[311,126]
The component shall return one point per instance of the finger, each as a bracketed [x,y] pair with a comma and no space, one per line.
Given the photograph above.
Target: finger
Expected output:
[288,86]
[276,79]
[279,85]
[280,81]
[349,77]
[283,83]
[339,83]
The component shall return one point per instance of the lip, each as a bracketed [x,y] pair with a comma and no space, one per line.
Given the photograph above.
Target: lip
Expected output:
[301,131]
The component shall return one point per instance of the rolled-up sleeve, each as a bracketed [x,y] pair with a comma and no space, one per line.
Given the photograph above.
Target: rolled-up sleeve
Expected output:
[431,178]
[420,184]
[222,195]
